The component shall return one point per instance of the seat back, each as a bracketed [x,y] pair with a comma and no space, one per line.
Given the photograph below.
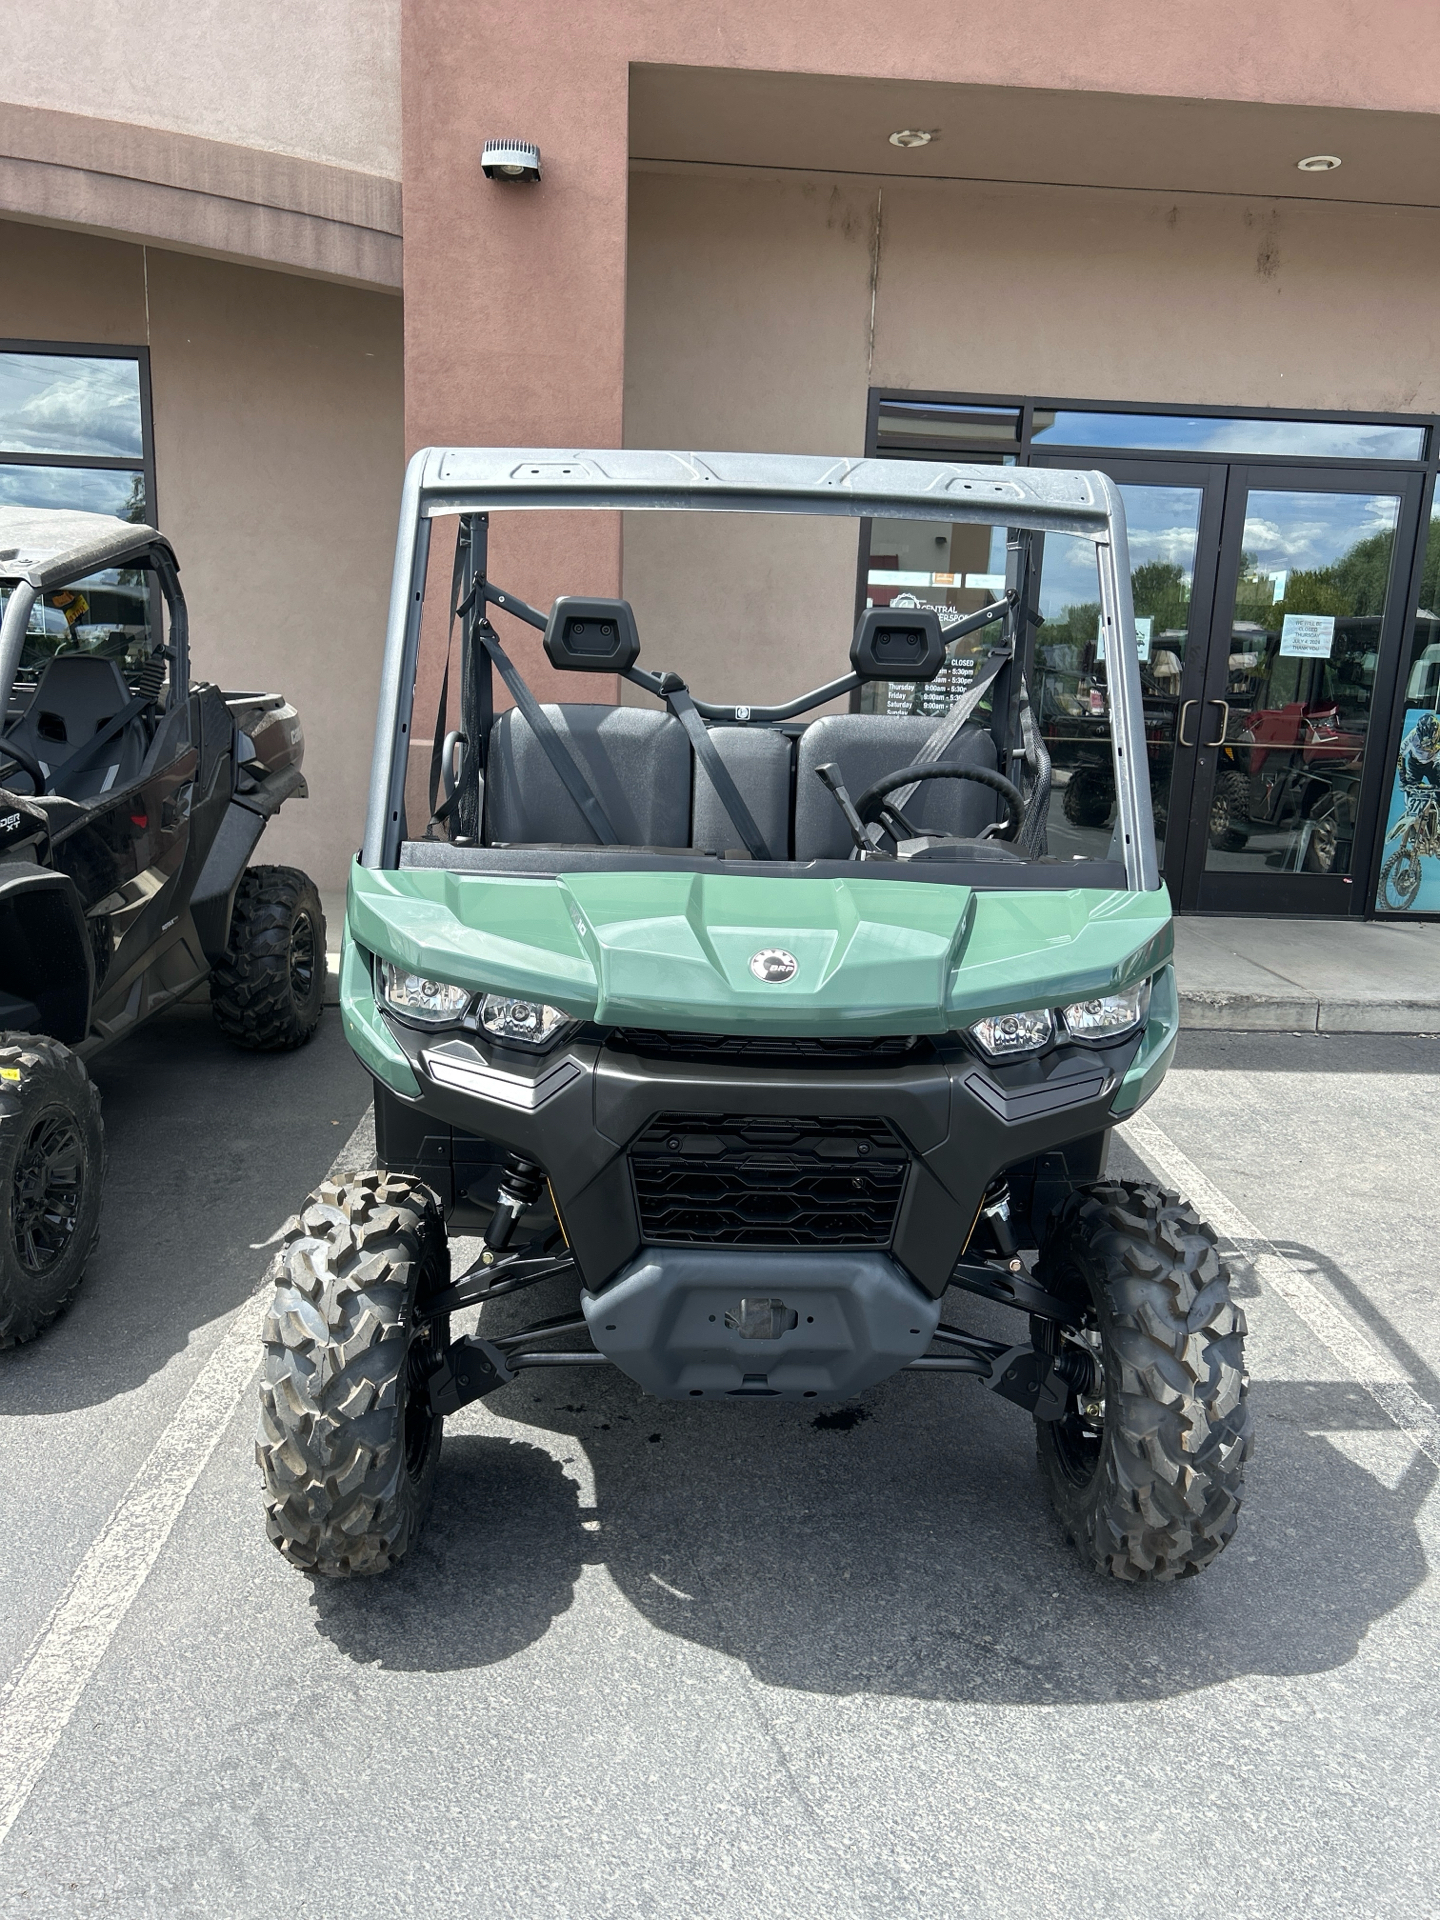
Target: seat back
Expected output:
[637,762]
[867,746]
[758,760]
[76,696]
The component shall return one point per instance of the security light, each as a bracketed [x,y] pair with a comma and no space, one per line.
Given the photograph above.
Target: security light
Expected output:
[1319,163]
[510,160]
[911,137]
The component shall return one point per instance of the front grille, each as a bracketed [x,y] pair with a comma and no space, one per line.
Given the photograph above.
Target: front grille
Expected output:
[771,1050]
[731,1180]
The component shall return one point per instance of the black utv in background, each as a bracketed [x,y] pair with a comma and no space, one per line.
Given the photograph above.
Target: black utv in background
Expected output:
[131,799]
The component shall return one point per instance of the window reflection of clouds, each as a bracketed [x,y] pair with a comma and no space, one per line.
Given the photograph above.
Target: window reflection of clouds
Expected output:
[60,403]
[87,489]
[1310,530]
[1309,439]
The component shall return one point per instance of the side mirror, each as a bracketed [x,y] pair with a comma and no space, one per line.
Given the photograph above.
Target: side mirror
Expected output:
[591,636]
[898,643]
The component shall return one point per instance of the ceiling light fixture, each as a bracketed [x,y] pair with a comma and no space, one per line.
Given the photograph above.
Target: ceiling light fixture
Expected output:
[911,137]
[510,160]
[1319,163]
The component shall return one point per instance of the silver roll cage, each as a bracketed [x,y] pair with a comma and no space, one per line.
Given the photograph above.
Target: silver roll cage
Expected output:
[440,481]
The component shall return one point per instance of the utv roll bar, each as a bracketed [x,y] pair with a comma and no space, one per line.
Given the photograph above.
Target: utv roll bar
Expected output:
[440,481]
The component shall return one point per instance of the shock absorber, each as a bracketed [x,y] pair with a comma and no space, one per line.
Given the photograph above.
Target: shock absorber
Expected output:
[521,1185]
[995,1211]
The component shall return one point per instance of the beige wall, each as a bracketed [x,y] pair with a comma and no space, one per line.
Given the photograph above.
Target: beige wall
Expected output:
[749,325]
[321,79]
[279,456]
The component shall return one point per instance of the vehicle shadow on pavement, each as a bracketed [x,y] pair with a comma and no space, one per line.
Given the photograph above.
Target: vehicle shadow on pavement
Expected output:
[210,1148]
[899,1544]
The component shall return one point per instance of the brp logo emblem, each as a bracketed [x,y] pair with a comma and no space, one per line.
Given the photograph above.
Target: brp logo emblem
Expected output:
[774,965]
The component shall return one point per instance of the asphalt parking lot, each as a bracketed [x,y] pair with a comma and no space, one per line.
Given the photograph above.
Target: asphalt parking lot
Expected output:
[652,1659]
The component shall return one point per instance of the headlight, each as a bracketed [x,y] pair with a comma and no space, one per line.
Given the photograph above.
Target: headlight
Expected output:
[428,1003]
[1092,1021]
[1003,1035]
[526,1023]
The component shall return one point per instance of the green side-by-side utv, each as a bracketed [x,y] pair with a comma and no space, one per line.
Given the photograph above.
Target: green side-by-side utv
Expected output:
[773,1037]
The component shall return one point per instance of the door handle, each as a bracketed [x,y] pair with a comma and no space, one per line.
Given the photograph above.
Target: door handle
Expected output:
[1219,740]
[1185,706]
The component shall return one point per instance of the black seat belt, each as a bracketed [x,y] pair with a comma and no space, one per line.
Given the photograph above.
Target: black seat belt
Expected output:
[939,742]
[677,698]
[93,751]
[571,774]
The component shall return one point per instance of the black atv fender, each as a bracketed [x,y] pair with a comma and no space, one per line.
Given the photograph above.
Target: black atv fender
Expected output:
[258,794]
[47,965]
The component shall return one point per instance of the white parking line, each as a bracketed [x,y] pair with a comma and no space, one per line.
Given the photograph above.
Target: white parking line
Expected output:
[1360,1358]
[36,1706]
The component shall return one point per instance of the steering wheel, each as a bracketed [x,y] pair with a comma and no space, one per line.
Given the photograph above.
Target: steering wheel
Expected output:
[26,762]
[873,804]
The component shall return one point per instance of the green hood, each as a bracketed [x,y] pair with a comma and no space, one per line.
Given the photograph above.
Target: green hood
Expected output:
[673,950]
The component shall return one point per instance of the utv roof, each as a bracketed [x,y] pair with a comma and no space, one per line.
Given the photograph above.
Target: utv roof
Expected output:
[462,479]
[46,546]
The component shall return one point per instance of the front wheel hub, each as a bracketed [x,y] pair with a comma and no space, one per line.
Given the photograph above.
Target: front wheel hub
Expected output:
[47,1191]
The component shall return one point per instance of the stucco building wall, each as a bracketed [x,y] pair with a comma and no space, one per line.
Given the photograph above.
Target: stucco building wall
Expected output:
[279,455]
[319,80]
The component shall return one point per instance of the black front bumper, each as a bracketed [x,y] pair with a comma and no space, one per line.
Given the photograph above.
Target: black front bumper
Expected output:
[643,1148]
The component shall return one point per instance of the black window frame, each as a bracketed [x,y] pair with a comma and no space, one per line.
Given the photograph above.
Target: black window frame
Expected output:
[1389,691]
[93,462]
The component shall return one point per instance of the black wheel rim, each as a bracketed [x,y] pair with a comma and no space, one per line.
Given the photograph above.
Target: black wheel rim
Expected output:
[47,1191]
[1323,844]
[302,957]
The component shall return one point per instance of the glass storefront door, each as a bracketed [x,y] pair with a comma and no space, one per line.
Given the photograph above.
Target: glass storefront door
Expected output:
[1275,567]
[1172,516]
[1307,605]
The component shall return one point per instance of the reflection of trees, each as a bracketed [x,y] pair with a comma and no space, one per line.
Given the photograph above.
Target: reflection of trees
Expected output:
[1430,573]
[1160,591]
[1352,586]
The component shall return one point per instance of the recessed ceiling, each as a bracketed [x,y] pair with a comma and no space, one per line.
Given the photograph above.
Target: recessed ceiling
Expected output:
[833,124]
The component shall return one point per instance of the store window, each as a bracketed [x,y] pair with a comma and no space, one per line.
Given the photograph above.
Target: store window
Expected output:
[955,568]
[75,433]
[1230,437]
[1273,562]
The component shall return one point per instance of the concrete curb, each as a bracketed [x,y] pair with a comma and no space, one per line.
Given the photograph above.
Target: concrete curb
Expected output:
[1274,1013]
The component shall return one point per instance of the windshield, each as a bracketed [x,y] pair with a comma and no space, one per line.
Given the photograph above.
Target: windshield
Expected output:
[754,713]
[111,614]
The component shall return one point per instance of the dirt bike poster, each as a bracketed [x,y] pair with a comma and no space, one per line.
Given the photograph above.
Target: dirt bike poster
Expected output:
[1410,863]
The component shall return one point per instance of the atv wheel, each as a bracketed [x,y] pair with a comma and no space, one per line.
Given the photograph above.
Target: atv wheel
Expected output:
[1147,1477]
[1230,813]
[348,1446]
[1322,848]
[52,1170]
[1400,879]
[1088,798]
[269,991]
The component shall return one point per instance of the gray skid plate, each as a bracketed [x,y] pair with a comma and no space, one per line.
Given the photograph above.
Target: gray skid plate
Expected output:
[792,1324]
